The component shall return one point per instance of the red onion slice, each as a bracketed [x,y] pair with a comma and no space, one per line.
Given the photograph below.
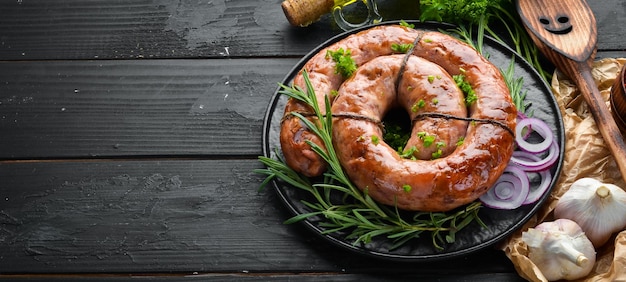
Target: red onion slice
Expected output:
[542,164]
[495,198]
[538,126]
[546,178]
[506,187]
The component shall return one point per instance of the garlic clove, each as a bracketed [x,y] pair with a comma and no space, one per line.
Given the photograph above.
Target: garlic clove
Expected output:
[560,250]
[598,208]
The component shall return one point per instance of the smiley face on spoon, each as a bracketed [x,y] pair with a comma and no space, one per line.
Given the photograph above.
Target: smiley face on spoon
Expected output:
[557,25]
[565,26]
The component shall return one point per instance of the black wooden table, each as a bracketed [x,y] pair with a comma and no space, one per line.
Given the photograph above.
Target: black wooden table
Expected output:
[129,132]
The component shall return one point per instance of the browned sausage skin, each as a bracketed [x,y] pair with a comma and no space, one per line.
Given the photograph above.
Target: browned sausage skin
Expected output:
[458,176]
[430,185]
[364,46]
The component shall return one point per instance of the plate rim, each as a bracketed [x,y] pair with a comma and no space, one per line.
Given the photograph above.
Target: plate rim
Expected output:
[429,25]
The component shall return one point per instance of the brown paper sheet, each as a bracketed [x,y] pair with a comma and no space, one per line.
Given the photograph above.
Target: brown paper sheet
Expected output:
[585,156]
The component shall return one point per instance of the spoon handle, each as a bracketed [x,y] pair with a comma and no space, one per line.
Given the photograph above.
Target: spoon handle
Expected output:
[601,114]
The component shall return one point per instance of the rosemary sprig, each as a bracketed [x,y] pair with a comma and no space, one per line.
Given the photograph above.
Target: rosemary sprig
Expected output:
[340,208]
[515,87]
[519,37]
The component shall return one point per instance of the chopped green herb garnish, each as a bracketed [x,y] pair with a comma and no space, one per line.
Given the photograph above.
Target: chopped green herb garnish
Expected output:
[471,98]
[460,141]
[435,101]
[405,24]
[426,138]
[401,48]
[344,64]
[408,153]
[375,140]
[437,154]
[418,105]
[431,78]
[466,87]
[406,187]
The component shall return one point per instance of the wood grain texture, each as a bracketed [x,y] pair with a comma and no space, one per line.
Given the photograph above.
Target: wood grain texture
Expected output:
[79,109]
[170,216]
[58,29]
[566,34]
[302,277]
[129,131]
[118,29]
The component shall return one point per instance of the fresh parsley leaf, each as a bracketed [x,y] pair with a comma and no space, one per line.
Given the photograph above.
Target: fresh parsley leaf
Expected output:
[405,24]
[401,48]
[344,64]
[466,87]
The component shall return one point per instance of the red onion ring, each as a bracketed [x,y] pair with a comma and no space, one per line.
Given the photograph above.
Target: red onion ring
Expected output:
[506,188]
[542,164]
[538,126]
[518,179]
[545,175]
[512,189]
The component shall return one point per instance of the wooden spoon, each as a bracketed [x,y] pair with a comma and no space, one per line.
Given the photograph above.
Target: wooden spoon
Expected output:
[565,32]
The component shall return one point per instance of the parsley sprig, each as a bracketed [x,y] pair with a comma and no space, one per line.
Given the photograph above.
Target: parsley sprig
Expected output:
[484,14]
[344,64]
[466,88]
[339,207]
[401,48]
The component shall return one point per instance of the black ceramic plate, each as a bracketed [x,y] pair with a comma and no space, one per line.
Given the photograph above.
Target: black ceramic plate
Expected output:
[500,223]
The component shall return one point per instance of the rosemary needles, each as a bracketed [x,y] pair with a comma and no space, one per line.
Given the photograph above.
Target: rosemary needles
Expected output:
[339,208]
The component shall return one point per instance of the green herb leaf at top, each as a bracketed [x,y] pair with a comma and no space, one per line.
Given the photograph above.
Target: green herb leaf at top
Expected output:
[466,87]
[344,64]
[405,24]
[401,48]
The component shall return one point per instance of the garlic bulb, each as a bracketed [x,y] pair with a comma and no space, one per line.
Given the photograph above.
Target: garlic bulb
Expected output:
[598,208]
[560,250]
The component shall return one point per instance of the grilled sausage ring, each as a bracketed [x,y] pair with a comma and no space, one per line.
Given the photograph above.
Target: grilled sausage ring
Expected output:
[462,171]
[364,46]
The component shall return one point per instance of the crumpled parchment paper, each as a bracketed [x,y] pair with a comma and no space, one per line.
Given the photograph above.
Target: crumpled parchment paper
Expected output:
[585,156]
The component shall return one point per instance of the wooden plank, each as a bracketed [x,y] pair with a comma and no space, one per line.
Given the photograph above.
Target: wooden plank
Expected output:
[77,109]
[110,108]
[303,277]
[609,15]
[171,217]
[123,29]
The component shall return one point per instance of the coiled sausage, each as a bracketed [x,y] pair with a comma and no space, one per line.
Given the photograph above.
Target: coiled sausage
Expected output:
[437,181]
[364,46]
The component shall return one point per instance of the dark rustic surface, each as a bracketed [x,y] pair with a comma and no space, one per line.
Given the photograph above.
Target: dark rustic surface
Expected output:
[128,135]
